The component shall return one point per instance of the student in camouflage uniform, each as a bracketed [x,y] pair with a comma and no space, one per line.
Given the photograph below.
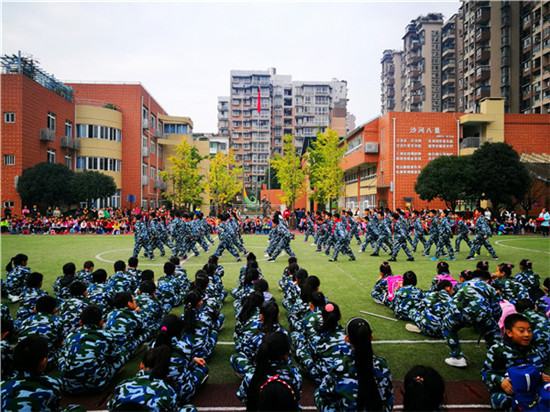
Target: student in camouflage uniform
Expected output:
[89,358]
[509,289]
[354,227]
[149,387]
[515,349]
[124,324]
[31,390]
[284,236]
[343,238]
[429,313]
[226,241]
[133,273]
[475,303]
[7,365]
[100,293]
[141,238]
[310,227]
[206,228]
[541,330]
[462,231]
[483,232]
[85,275]
[45,323]
[322,233]
[198,326]
[62,283]
[384,232]
[418,228]
[380,289]
[339,389]
[527,277]
[235,224]
[120,281]
[191,231]
[156,236]
[71,309]
[272,361]
[29,296]
[433,232]
[400,235]
[407,297]
[16,278]
[444,238]
[176,229]
[169,290]
[200,224]
[150,309]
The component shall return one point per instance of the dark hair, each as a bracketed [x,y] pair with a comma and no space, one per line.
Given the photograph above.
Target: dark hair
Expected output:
[133,262]
[424,389]
[121,300]
[158,360]
[29,353]
[88,264]
[250,257]
[147,286]
[482,274]
[120,266]
[359,334]
[171,327]
[526,264]
[442,284]
[77,289]
[506,268]
[210,269]
[277,394]
[147,274]
[261,285]
[311,284]
[385,269]
[34,280]
[301,276]
[292,269]
[467,274]
[46,304]
[169,268]
[99,276]
[252,302]
[514,318]
[318,299]
[409,278]
[274,347]
[190,303]
[331,317]
[69,268]
[270,312]
[482,265]
[292,259]
[213,259]
[251,276]
[91,315]
[546,282]
[524,304]
[17,260]
[175,260]
[201,282]
[442,267]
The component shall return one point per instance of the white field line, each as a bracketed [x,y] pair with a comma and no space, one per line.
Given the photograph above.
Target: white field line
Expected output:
[350,276]
[500,243]
[388,341]
[313,408]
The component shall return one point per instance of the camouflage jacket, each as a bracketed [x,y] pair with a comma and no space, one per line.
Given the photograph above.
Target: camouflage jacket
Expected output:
[404,300]
[27,302]
[529,279]
[28,392]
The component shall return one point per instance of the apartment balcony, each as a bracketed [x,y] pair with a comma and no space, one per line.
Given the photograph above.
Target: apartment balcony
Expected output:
[416,100]
[483,34]
[483,92]
[415,44]
[412,59]
[390,81]
[527,45]
[483,15]
[414,73]
[47,135]
[70,143]
[483,54]
[471,142]
[448,63]
[447,78]
[482,73]
[416,86]
[448,51]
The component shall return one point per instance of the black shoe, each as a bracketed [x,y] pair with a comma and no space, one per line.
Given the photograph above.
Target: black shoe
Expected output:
[351,258]
[332,260]
[470,258]
[411,259]
[374,254]
[271,259]
[392,260]
[239,259]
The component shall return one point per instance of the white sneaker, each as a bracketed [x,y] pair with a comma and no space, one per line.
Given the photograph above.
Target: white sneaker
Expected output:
[412,328]
[456,362]
[13,298]
[378,301]
[266,255]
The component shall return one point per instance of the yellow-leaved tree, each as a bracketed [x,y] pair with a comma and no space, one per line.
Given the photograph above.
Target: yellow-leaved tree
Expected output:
[223,179]
[290,174]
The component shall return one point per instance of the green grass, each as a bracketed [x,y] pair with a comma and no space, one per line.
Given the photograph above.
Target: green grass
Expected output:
[349,284]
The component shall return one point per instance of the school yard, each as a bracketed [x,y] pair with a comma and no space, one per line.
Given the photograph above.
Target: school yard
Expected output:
[347,283]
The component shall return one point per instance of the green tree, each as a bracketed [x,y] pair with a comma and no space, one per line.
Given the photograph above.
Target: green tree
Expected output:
[46,184]
[448,178]
[325,172]
[90,185]
[184,174]
[271,175]
[289,172]
[500,175]
[223,179]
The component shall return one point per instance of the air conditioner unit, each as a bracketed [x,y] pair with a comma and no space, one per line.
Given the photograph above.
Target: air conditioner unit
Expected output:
[371,147]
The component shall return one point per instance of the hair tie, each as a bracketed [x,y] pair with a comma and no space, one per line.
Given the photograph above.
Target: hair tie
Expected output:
[329,307]
[509,265]
[164,328]
[419,379]
[276,379]
[528,262]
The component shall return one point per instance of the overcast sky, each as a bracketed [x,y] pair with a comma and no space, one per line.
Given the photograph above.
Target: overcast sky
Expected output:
[182,52]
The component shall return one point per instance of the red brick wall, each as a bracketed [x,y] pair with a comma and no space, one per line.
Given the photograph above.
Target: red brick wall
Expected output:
[31,103]
[528,133]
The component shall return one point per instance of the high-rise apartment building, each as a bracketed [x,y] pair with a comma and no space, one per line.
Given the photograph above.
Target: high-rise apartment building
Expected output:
[449,73]
[264,106]
[421,72]
[391,81]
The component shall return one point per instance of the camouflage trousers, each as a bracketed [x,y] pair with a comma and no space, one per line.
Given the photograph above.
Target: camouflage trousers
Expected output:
[462,237]
[418,237]
[142,243]
[223,245]
[383,240]
[479,241]
[400,243]
[342,245]
[444,243]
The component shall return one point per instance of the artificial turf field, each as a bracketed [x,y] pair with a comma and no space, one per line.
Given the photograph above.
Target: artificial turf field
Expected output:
[347,283]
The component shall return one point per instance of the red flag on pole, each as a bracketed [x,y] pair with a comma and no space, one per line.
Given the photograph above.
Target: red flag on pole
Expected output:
[259,101]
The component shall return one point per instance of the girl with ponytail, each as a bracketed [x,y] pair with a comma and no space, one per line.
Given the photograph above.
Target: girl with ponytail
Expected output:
[247,287]
[300,309]
[380,289]
[272,363]
[292,294]
[16,278]
[185,372]
[527,277]
[509,288]
[248,319]
[360,381]
[198,329]
[149,387]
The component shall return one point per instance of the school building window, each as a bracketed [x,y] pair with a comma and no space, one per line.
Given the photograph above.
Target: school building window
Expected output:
[9,203]
[9,160]
[153,172]
[51,121]
[68,128]
[98,163]
[9,117]
[51,155]
[69,161]
[92,131]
